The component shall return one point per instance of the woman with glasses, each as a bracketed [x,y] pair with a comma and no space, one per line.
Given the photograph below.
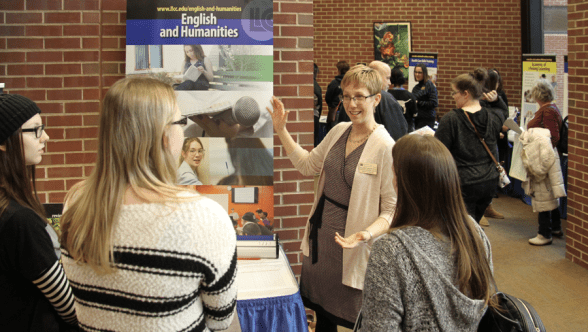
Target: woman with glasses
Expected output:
[141,253]
[354,204]
[192,155]
[425,93]
[457,130]
[35,294]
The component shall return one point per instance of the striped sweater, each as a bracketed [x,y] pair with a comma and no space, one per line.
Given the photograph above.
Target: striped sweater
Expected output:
[176,268]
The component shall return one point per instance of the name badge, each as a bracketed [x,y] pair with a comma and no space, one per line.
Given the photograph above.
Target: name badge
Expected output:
[367,168]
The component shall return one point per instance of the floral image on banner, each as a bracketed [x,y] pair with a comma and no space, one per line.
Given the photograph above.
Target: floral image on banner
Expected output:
[392,43]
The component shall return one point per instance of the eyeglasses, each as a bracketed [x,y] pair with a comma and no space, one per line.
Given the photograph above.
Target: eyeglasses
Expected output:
[200,151]
[37,130]
[356,99]
[453,93]
[182,122]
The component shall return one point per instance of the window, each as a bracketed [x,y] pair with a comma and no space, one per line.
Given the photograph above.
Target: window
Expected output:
[555,19]
[148,57]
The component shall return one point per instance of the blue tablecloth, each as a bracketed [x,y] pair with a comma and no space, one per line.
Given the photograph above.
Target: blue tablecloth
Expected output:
[282,313]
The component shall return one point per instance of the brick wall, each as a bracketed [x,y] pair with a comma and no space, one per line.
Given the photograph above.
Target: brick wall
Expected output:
[64,54]
[577,227]
[557,44]
[465,34]
[61,54]
[293,83]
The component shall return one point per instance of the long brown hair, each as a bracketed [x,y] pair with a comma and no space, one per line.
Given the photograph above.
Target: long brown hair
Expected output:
[136,114]
[17,180]
[429,196]
[198,52]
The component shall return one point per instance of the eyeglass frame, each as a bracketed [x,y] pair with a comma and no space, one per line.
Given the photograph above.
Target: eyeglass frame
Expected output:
[199,151]
[38,133]
[342,98]
[182,122]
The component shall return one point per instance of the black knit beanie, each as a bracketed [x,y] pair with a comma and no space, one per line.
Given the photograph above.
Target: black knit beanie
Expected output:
[15,110]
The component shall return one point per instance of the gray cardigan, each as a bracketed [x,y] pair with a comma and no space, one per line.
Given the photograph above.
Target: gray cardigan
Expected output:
[410,285]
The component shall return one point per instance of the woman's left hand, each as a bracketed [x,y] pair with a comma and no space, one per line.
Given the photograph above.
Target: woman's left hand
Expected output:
[200,68]
[353,240]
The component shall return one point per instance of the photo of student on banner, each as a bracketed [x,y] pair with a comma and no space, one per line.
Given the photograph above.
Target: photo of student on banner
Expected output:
[226,114]
[198,67]
[192,169]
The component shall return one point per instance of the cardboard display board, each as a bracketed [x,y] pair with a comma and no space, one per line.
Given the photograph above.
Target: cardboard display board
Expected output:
[535,67]
[218,57]
[429,59]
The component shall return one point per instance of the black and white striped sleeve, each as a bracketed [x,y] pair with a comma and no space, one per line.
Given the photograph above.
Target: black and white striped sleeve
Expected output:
[219,294]
[55,286]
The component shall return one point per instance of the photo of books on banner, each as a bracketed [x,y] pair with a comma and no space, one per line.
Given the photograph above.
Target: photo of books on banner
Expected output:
[250,208]
[204,67]
[226,161]
[226,113]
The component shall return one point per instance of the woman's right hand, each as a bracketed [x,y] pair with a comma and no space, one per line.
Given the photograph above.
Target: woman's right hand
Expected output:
[279,114]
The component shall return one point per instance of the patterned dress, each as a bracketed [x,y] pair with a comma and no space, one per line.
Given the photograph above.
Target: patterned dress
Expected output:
[321,284]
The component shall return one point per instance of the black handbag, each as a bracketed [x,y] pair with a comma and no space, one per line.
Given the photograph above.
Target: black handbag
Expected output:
[514,315]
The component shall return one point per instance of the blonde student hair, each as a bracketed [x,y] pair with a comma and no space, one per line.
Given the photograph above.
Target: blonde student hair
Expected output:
[136,115]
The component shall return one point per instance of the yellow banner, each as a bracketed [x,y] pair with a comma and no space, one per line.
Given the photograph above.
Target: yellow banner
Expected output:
[540,66]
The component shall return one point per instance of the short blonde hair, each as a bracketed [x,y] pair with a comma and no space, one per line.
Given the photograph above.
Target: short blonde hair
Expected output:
[543,92]
[363,75]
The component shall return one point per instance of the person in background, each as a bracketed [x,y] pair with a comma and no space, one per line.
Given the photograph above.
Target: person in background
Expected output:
[121,225]
[234,215]
[425,93]
[495,81]
[477,170]
[389,112]
[35,293]
[259,212]
[488,84]
[546,192]
[194,56]
[265,221]
[190,160]
[406,99]
[252,226]
[433,271]
[354,198]
[334,91]
[318,105]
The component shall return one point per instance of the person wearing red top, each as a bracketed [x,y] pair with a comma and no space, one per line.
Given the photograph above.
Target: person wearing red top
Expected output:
[549,117]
